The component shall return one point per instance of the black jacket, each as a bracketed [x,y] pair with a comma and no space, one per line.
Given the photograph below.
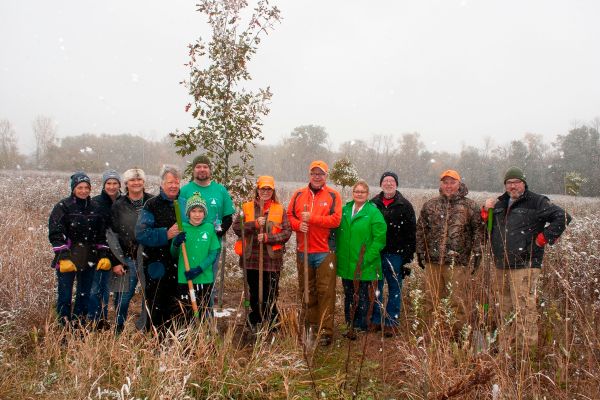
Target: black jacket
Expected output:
[401,226]
[77,231]
[157,216]
[123,219]
[105,202]
[515,229]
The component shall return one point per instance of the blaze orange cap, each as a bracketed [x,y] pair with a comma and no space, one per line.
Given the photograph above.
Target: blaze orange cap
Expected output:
[319,164]
[265,181]
[451,173]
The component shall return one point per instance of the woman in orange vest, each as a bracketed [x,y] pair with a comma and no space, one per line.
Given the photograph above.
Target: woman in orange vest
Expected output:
[265,225]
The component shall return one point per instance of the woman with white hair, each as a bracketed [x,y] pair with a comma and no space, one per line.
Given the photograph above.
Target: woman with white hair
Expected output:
[121,238]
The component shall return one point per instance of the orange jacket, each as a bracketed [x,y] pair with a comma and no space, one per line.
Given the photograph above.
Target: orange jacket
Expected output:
[325,209]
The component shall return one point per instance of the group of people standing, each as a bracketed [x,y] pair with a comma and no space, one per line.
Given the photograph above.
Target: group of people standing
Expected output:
[171,244]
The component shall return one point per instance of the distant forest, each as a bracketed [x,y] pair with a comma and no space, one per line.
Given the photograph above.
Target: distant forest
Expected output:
[571,163]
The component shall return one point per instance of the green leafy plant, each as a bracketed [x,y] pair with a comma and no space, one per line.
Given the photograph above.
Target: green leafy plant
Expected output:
[228,115]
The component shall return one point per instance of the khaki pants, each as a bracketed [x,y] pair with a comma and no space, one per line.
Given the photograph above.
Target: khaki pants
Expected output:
[321,293]
[454,283]
[515,291]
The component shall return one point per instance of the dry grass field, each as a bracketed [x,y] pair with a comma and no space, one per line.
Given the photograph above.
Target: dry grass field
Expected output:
[38,360]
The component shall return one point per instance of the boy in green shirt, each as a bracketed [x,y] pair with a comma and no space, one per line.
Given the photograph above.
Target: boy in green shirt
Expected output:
[202,247]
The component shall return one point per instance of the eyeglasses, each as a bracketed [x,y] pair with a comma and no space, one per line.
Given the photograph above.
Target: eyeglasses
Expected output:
[317,174]
[513,182]
[360,192]
[266,189]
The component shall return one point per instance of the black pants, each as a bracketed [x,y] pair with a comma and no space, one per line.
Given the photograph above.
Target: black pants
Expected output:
[270,293]
[162,301]
[202,293]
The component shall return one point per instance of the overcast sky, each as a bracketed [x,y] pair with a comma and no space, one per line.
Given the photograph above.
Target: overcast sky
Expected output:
[453,70]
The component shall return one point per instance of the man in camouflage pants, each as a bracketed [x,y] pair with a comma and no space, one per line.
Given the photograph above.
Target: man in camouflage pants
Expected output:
[449,234]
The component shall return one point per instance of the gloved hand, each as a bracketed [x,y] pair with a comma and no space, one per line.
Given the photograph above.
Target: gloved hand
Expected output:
[405,272]
[179,239]
[541,240]
[103,264]
[421,260]
[66,266]
[64,255]
[193,273]
[476,263]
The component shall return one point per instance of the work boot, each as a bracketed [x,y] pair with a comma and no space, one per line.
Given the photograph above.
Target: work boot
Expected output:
[390,331]
[325,340]
[350,335]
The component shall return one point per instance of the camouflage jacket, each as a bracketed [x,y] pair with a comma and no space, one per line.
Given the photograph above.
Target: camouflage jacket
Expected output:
[449,229]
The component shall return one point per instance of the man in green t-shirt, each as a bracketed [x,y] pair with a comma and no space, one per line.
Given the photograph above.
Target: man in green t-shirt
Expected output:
[219,205]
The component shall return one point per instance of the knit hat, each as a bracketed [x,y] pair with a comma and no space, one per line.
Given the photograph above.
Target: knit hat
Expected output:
[133,173]
[110,174]
[388,173]
[319,164]
[79,177]
[265,181]
[451,173]
[201,159]
[514,173]
[194,201]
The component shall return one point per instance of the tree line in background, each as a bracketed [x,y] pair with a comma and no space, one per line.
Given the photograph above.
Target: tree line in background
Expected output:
[569,165]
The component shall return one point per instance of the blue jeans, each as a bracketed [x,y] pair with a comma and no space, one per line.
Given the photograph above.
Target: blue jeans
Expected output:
[314,259]
[391,265]
[99,294]
[64,292]
[361,309]
[122,299]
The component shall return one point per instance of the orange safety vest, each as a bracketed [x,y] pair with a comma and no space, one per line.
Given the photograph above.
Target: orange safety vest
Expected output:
[273,226]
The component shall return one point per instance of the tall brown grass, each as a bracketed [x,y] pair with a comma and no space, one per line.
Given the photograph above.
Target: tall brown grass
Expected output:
[39,360]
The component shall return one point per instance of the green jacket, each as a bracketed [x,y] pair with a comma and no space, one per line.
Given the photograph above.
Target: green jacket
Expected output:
[367,228]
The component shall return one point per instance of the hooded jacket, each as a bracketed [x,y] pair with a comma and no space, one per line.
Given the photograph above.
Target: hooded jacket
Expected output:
[515,228]
[449,229]
[367,228]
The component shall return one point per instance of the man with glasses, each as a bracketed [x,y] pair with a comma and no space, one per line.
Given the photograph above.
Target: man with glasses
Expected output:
[523,223]
[314,213]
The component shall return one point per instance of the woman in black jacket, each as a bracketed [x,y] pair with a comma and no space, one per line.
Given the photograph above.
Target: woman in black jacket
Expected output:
[76,230]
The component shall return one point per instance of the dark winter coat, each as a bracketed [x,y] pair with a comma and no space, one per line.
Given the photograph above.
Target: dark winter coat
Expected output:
[77,231]
[157,216]
[124,217]
[515,229]
[105,203]
[449,229]
[401,226]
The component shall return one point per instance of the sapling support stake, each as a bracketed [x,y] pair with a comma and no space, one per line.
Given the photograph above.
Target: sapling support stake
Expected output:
[260,262]
[186,262]
[245,272]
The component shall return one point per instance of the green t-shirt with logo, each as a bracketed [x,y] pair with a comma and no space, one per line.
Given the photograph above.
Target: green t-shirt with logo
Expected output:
[217,198]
